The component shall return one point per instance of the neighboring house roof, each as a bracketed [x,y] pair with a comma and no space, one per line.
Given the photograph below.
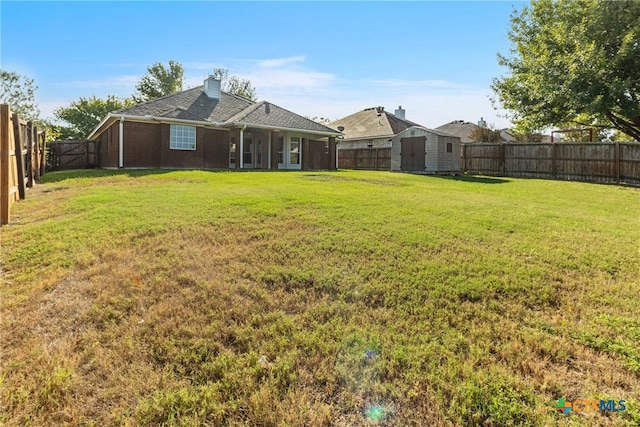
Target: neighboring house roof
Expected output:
[459,128]
[371,123]
[193,105]
[463,130]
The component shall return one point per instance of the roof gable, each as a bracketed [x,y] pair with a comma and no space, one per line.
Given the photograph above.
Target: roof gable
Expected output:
[267,114]
[459,128]
[193,104]
[437,132]
[371,123]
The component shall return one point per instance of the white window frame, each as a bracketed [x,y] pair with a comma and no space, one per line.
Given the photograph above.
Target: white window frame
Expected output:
[182,137]
[294,166]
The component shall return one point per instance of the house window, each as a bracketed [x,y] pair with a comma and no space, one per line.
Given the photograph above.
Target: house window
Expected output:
[449,147]
[294,150]
[182,137]
[326,147]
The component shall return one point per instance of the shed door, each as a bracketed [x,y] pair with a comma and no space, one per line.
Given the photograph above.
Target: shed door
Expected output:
[412,153]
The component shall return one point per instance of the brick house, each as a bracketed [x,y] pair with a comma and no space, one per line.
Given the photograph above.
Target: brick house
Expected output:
[206,128]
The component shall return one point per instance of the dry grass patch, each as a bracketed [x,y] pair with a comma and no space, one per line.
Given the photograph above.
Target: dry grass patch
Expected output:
[349,298]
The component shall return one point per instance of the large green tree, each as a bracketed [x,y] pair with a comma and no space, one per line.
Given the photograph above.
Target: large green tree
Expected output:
[160,81]
[84,114]
[19,93]
[234,84]
[573,62]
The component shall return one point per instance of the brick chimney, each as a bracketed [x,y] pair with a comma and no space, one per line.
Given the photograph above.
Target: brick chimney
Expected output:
[399,113]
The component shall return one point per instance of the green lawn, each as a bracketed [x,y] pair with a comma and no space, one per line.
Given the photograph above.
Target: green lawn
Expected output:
[328,298]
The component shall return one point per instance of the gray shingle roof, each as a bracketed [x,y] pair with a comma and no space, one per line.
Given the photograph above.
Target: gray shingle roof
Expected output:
[368,123]
[194,104]
[433,131]
[269,114]
[191,104]
[459,128]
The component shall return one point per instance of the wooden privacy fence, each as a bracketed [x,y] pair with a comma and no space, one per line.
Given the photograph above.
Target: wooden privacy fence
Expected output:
[64,155]
[584,161]
[365,158]
[22,156]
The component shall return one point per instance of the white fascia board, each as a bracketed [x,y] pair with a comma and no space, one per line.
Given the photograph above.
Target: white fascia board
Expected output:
[284,129]
[153,119]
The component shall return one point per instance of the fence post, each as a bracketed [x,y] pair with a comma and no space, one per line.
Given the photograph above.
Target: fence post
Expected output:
[36,153]
[617,162]
[355,158]
[43,149]
[554,155]
[5,170]
[503,158]
[17,136]
[464,158]
[29,162]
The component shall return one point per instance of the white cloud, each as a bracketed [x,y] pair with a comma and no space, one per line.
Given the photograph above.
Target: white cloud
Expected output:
[116,82]
[426,106]
[431,84]
[288,79]
[310,92]
[47,107]
[280,62]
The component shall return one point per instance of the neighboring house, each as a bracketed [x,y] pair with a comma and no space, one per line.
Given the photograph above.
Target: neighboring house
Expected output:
[371,128]
[463,130]
[422,150]
[205,128]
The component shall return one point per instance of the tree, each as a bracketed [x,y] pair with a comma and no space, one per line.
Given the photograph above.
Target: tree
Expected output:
[19,92]
[84,114]
[160,81]
[573,62]
[486,134]
[235,85]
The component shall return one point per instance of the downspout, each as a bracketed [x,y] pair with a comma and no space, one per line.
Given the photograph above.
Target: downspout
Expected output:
[242,146]
[121,143]
[269,151]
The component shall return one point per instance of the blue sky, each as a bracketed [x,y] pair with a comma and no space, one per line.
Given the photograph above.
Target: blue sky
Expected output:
[325,59]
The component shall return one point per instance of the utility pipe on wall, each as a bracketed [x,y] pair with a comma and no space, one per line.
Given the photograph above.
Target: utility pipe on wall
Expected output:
[121,143]
[242,146]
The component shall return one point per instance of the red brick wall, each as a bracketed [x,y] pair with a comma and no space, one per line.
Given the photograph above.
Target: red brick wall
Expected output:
[146,145]
[316,158]
[108,148]
[140,145]
[215,144]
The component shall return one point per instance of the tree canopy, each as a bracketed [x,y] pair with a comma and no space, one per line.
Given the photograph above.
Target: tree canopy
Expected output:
[84,114]
[19,93]
[486,134]
[573,62]
[160,81]
[234,84]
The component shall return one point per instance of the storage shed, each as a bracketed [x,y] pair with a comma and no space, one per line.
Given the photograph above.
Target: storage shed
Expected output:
[421,150]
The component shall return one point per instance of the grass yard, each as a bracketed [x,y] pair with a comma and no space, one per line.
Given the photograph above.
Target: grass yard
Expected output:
[346,298]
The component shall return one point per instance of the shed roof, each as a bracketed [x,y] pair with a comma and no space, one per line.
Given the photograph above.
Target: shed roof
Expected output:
[428,130]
